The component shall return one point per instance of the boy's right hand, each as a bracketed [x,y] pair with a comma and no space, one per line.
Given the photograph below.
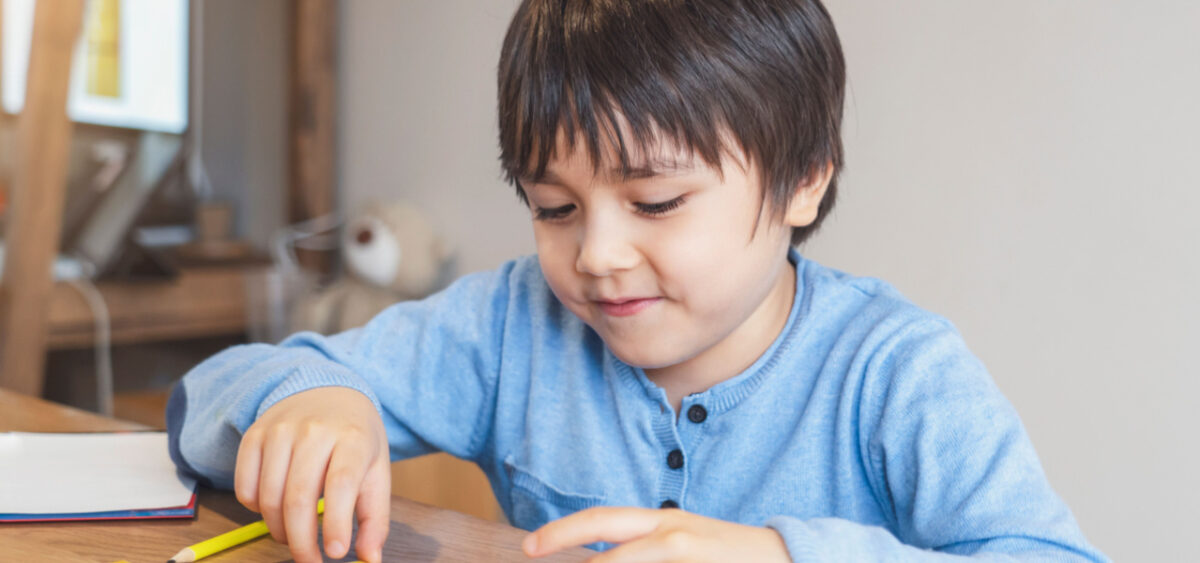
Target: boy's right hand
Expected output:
[331,439]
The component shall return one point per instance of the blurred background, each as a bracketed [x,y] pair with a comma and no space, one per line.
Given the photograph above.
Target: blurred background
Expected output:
[228,171]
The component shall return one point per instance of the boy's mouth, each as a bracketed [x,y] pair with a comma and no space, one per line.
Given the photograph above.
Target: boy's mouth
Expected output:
[626,307]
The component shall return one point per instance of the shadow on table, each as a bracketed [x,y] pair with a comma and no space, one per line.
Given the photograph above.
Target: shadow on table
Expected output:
[403,544]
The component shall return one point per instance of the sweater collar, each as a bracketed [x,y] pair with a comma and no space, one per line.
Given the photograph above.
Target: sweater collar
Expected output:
[727,394]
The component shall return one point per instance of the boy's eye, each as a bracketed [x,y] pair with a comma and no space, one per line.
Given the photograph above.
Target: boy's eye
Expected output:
[553,213]
[561,212]
[661,207]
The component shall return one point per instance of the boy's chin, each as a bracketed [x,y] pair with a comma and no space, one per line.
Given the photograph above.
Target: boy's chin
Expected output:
[646,355]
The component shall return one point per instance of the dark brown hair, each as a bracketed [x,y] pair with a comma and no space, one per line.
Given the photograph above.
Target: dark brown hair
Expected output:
[767,73]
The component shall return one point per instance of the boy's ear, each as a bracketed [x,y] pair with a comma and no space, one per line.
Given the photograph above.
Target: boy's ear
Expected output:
[802,210]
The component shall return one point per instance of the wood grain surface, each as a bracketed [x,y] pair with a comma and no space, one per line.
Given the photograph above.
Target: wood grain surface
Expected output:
[22,413]
[418,532]
[312,111]
[39,188]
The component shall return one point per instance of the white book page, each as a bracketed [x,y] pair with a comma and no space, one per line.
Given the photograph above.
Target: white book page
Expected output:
[96,472]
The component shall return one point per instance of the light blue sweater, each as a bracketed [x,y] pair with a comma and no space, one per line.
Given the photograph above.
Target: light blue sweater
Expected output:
[867,431]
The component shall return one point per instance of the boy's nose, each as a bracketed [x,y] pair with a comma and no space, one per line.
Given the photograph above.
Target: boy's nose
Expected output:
[605,250]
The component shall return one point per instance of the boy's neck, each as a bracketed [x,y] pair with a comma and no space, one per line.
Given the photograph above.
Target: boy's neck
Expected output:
[738,351]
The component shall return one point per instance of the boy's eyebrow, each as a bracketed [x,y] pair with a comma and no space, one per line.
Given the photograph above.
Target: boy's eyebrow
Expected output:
[651,170]
[547,177]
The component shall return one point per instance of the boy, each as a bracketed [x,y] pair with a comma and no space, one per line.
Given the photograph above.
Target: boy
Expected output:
[666,348]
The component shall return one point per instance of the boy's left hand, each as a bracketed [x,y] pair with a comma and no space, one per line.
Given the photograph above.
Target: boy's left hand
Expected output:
[657,535]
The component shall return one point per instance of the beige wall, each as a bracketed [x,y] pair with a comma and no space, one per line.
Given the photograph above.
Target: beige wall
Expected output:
[244,108]
[418,120]
[1029,170]
[1026,168]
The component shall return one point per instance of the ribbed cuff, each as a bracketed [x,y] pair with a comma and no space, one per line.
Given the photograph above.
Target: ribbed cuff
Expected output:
[313,376]
[799,538]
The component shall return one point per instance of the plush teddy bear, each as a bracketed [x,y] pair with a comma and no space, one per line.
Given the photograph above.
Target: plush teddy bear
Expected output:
[392,253]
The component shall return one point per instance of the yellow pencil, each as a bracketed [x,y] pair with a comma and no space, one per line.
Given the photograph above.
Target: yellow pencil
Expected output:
[228,540]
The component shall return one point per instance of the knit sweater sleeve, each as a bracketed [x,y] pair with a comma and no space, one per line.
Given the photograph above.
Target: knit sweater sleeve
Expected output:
[948,461]
[430,368]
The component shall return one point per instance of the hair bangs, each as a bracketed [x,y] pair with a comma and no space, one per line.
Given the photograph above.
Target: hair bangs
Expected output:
[573,92]
[761,82]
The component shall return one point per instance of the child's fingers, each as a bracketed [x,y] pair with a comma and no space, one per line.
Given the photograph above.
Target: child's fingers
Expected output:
[245,474]
[650,549]
[347,469]
[310,458]
[276,458]
[606,524]
[374,510]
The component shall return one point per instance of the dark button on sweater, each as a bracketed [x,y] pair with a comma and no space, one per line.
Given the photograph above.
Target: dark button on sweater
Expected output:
[675,459]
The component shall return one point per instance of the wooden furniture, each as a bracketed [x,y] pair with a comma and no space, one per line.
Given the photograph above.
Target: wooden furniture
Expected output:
[35,216]
[445,481]
[201,302]
[418,532]
[22,413]
[36,315]
[312,92]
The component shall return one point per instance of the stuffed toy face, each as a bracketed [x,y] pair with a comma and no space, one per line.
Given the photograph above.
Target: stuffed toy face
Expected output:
[394,247]
[392,253]
[372,251]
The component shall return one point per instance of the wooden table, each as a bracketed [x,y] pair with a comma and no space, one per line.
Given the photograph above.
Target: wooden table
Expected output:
[418,532]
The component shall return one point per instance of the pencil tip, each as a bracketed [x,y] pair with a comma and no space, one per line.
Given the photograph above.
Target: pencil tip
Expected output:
[185,556]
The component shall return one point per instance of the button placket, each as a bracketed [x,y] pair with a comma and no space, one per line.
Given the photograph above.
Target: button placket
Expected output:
[687,432]
[672,481]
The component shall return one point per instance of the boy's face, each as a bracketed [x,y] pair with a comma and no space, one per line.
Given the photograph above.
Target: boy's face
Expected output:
[671,265]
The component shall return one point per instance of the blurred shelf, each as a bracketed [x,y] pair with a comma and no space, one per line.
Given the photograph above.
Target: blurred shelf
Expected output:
[200,302]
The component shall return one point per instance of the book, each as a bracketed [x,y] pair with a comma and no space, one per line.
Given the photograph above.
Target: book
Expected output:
[91,476]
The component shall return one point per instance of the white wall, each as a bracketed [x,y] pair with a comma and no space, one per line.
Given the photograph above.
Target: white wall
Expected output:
[1026,168]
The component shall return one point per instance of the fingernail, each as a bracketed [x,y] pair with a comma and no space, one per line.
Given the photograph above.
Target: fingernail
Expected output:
[336,549]
[530,544]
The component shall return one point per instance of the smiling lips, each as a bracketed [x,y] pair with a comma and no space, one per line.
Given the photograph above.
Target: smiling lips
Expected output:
[626,307]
